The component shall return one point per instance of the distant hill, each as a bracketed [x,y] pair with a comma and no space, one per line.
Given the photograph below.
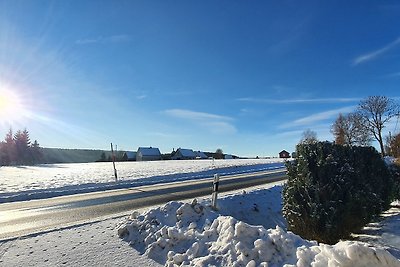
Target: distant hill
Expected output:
[61,155]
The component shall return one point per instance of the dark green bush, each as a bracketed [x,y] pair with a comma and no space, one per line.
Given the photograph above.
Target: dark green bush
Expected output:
[334,190]
[395,171]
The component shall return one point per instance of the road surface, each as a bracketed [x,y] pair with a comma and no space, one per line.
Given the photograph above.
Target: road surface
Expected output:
[29,217]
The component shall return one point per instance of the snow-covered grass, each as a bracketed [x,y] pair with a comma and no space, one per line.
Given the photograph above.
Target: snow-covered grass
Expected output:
[234,235]
[246,230]
[33,182]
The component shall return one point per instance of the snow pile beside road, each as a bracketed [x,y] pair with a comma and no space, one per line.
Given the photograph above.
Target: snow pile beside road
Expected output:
[190,234]
[345,253]
[193,234]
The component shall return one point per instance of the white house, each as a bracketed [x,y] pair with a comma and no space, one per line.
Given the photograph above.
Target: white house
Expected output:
[200,155]
[182,153]
[130,155]
[148,153]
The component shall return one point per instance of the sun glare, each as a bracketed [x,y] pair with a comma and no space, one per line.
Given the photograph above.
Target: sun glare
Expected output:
[11,107]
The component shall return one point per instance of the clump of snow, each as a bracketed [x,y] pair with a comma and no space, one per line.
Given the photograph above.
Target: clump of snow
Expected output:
[192,234]
[345,253]
[172,227]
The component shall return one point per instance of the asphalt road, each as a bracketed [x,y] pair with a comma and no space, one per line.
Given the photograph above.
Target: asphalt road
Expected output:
[23,218]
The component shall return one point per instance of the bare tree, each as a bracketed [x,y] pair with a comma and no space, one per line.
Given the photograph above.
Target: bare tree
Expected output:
[377,111]
[309,137]
[351,130]
[338,130]
[393,145]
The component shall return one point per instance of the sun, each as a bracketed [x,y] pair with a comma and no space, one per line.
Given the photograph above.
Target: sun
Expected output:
[11,107]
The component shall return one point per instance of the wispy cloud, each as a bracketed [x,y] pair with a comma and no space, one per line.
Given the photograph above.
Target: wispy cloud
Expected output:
[298,100]
[141,97]
[194,115]
[323,115]
[317,117]
[104,39]
[375,54]
[215,123]
[392,75]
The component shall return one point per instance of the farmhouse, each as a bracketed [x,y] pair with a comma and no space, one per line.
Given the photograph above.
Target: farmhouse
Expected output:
[200,155]
[228,156]
[284,154]
[182,153]
[148,153]
[129,156]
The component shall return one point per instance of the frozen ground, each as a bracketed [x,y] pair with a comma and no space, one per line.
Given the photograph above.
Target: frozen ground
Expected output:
[227,239]
[385,231]
[33,182]
[247,230]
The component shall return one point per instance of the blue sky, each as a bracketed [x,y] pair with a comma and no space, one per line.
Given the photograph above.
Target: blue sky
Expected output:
[245,76]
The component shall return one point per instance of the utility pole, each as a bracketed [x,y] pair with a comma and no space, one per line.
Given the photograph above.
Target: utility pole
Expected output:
[113,160]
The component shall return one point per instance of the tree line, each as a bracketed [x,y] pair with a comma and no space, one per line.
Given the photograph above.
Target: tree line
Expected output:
[17,149]
[365,124]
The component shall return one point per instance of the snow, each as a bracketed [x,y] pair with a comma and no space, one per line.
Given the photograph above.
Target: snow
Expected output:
[43,181]
[92,244]
[385,232]
[247,229]
[193,234]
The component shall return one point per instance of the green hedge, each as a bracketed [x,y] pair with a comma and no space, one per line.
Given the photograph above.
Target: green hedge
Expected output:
[334,190]
[395,171]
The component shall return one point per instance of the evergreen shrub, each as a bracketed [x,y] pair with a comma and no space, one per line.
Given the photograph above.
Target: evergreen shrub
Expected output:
[395,171]
[334,190]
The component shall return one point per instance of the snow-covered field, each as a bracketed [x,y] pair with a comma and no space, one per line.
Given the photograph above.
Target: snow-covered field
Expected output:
[247,223]
[32,182]
[248,228]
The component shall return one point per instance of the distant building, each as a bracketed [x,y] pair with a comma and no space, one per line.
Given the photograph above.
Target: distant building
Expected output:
[228,156]
[129,156]
[284,154]
[200,155]
[148,153]
[182,153]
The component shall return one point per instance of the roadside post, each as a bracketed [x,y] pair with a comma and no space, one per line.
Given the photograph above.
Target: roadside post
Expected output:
[113,160]
[215,191]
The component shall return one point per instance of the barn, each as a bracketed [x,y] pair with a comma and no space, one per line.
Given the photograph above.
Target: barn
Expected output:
[284,154]
[130,156]
[200,155]
[148,153]
[182,153]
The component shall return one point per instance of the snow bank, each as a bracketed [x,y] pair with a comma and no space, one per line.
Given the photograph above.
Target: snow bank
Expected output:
[192,234]
[345,253]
